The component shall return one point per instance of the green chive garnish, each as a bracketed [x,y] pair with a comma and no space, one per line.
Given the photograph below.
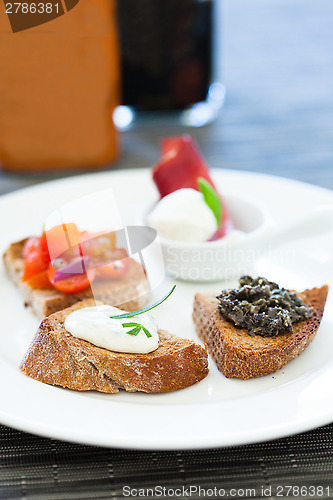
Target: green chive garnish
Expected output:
[211,198]
[136,329]
[145,309]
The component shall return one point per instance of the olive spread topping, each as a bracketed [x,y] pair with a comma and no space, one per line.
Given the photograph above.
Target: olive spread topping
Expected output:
[262,307]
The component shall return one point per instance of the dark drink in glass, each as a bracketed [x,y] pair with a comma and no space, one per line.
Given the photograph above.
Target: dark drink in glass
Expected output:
[166,50]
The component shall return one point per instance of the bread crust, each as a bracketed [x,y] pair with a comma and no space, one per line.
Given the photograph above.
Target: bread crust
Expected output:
[58,358]
[130,292]
[237,354]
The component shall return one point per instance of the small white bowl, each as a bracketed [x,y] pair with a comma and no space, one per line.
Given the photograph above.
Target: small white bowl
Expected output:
[231,256]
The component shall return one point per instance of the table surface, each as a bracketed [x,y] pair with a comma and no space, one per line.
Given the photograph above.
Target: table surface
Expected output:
[276,60]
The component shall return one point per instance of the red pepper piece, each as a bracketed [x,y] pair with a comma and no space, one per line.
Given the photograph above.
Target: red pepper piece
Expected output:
[181,165]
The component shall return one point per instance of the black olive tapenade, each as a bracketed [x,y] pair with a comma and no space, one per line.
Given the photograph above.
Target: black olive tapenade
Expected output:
[262,307]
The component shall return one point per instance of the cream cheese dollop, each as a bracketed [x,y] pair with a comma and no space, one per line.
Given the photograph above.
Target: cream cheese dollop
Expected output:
[183,216]
[95,325]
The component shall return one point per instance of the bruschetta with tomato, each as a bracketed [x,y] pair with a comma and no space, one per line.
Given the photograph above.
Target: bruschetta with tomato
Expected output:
[64,265]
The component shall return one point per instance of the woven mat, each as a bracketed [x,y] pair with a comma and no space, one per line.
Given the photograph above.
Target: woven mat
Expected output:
[300,466]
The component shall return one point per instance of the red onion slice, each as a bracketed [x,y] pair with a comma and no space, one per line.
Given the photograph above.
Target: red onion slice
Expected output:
[79,265]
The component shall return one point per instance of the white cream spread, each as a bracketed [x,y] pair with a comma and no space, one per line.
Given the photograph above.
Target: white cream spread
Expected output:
[183,216]
[95,325]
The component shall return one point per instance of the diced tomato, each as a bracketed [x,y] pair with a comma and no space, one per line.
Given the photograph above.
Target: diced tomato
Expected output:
[36,258]
[40,280]
[72,285]
[62,238]
[98,246]
[66,244]
[114,270]
[180,166]
[43,243]
[119,253]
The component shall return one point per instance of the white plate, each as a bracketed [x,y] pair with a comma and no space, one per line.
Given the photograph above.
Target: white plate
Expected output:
[215,412]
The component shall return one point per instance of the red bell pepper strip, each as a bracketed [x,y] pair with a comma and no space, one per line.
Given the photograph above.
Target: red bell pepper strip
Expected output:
[181,166]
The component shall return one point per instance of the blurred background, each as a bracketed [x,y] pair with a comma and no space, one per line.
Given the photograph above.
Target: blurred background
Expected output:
[275,60]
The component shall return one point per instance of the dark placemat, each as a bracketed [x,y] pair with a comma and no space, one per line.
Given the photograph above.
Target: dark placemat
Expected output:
[299,466]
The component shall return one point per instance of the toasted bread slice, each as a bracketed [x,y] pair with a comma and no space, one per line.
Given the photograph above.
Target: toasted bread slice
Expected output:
[237,354]
[129,292]
[58,358]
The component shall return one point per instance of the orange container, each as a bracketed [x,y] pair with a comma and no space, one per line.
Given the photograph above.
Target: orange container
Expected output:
[59,85]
